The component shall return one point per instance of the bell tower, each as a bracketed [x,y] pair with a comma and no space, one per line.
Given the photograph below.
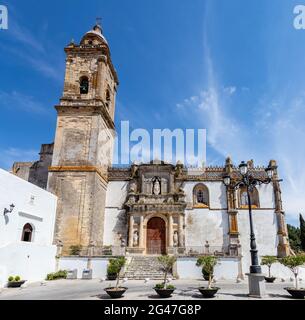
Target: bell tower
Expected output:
[84,143]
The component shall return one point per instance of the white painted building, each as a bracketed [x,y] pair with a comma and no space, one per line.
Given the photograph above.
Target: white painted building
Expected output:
[26,233]
[193,214]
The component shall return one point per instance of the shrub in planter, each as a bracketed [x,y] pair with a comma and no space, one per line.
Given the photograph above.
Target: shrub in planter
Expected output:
[269,261]
[61,274]
[75,250]
[15,282]
[163,289]
[293,263]
[208,264]
[116,265]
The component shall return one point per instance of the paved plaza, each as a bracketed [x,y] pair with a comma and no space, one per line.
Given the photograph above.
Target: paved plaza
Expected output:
[137,289]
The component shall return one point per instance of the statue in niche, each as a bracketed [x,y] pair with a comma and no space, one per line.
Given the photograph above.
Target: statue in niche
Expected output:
[179,169]
[156,186]
[135,239]
[175,239]
[133,187]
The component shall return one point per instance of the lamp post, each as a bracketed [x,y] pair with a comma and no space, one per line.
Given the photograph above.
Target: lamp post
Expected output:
[248,181]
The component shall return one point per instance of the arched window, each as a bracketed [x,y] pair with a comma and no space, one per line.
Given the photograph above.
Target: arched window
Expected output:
[201,196]
[243,198]
[108,95]
[84,85]
[108,98]
[27,233]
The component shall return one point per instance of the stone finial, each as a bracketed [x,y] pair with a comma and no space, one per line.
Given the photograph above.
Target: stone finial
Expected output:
[229,165]
[272,163]
[250,164]
[179,163]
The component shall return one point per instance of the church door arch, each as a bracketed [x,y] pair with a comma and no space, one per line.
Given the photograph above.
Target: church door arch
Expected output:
[156,236]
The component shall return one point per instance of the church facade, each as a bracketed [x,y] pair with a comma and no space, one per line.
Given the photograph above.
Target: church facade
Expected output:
[145,209]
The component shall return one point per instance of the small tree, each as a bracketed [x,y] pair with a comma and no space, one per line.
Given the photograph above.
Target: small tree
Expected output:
[294,235]
[269,261]
[293,263]
[167,263]
[208,264]
[302,232]
[115,266]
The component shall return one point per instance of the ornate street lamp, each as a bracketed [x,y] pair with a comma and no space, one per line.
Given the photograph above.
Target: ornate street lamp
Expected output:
[10,210]
[248,181]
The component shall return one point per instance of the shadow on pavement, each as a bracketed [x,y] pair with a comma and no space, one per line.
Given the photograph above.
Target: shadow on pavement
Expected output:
[275,295]
[102,296]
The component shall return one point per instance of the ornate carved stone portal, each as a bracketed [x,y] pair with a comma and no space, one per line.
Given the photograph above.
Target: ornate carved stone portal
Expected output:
[155,206]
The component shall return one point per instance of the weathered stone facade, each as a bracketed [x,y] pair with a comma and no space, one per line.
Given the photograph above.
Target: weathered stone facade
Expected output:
[36,172]
[219,223]
[83,143]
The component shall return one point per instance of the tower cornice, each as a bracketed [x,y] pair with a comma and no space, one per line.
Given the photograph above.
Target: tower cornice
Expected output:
[85,109]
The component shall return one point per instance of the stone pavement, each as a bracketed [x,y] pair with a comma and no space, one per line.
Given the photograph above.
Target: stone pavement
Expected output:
[137,289]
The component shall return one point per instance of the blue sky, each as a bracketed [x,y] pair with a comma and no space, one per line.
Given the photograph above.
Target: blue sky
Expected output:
[236,68]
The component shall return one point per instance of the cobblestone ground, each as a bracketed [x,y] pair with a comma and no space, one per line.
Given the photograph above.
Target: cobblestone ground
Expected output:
[94,289]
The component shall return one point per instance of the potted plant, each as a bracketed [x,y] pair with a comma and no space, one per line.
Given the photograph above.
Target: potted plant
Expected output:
[15,282]
[163,289]
[205,274]
[293,263]
[117,265]
[113,269]
[208,264]
[269,261]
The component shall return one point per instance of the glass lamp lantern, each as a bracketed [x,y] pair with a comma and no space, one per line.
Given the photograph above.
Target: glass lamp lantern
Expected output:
[227,180]
[243,168]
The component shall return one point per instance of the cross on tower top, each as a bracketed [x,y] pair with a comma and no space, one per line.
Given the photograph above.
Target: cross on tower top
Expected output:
[98,21]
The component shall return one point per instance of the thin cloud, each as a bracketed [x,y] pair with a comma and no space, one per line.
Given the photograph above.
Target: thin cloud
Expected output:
[229,90]
[282,125]
[16,100]
[23,35]
[11,155]
[32,50]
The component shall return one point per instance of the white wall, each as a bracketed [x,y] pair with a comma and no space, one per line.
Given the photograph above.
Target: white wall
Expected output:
[116,194]
[206,225]
[230,269]
[211,224]
[32,261]
[115,222]
[265,228]
[226,269]
[98,265]
[39,212]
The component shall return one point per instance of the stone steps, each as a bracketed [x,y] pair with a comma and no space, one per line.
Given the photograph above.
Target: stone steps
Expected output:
[141,268]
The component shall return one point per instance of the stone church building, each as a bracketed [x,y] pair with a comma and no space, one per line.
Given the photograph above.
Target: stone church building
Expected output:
[145,209]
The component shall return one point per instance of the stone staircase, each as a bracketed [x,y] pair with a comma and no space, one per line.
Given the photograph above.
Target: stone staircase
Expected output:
[141,268]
